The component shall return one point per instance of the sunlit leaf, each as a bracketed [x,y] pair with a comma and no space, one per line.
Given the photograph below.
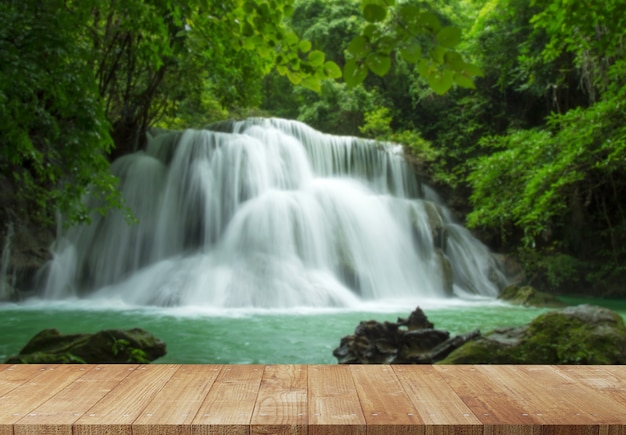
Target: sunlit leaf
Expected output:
[332,70]
[294,77]
[305,46]
[357,46]
[317,58]
[379,64]
[354,73]
[440,83]
[312,83]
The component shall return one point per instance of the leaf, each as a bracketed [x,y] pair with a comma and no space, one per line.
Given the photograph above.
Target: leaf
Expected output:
[305,46]
[354,73]
[429,22]
[449,36]
[357,46]
[423,68]
[411,53]
[294,77]
[464,82]
[378,63]
[438,54]
[332,70]
[312,83]
[440,83]
[317,58]
[374,13]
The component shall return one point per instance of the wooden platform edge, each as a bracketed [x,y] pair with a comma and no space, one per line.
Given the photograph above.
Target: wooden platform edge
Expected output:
[312,399]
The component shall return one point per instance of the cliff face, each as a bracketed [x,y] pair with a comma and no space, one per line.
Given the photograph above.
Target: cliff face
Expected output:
[24,245]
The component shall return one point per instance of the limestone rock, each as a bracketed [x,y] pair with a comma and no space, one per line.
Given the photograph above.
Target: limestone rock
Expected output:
[407,341]
[583,334]
[528,296]
[104,347]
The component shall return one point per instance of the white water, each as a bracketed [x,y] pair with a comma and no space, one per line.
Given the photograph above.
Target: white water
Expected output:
[275,215]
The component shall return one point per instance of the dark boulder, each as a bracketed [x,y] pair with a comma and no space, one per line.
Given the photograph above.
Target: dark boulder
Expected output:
[104,347]
[407,341]
[583,334]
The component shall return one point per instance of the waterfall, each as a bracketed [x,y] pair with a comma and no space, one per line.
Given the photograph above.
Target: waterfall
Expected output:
[6,282]
[270,213]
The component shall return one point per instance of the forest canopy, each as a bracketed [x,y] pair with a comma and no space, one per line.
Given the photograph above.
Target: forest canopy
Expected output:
[514,106]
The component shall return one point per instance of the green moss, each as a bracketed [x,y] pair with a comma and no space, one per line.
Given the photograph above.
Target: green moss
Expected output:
[528,296]
[574,335]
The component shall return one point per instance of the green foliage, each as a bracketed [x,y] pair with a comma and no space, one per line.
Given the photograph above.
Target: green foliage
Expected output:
[417,35]
[378,126]
[54,135]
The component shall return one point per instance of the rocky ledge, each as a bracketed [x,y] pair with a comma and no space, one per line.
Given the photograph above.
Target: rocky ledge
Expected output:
[407,341]
[105,347]
[583,334]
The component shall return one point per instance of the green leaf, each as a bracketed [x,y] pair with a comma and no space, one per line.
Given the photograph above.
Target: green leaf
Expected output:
[440,83]
[354,73]
[378,63]
[294,77]
[423,68]
[305,46]
[438,54]
[317,58]
[357,46]
[430,22]
[449,36]
[464,82]
[332,70]
[312,83]
[374,13]
[411,53]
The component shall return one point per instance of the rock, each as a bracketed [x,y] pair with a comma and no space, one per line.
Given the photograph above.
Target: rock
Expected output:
[528,296]
[584,334]
[104,347]
[407,341]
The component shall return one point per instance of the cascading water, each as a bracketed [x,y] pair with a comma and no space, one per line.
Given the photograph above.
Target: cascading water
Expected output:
[6,282]
[272,214]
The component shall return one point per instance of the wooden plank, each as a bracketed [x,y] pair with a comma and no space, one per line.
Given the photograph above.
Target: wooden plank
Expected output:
[438,405]
[59,412]
[558,399]
[334,406]
[227,408]
[281,404]
[18,402]
[115,413]
[489,400]
[172,409]
[12,376]
[387,408]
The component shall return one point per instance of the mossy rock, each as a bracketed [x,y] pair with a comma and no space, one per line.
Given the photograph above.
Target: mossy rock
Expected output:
[584,334]
[104,347]
[529,297]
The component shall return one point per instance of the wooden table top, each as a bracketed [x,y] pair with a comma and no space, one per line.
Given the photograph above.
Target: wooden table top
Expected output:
[312,399]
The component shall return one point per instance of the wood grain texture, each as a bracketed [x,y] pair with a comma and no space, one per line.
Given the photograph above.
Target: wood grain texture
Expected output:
[116,411]
[334,406]
[174,407]
[312,400]
[46,381]
[58,414]
[281,405]
[440,408]
[228,406]
[385,404]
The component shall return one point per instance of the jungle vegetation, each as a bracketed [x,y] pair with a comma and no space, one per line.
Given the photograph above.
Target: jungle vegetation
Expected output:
[514,106]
